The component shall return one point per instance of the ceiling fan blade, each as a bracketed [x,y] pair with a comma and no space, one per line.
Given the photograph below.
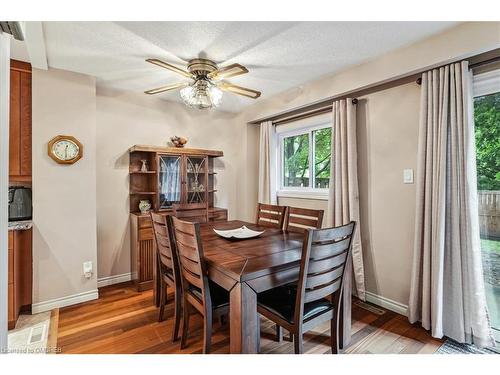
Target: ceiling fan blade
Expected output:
[239,90]
[173,68]
[167,88]
[228,71]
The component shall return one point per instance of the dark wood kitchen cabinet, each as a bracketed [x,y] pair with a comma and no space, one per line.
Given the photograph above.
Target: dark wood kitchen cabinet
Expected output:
[20,273]
[20,122]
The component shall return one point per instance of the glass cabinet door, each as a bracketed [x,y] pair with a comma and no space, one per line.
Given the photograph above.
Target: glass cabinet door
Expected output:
[196,180]
[169,176]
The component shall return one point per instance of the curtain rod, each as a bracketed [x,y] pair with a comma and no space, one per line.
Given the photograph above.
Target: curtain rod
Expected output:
[318,106]
[304,115]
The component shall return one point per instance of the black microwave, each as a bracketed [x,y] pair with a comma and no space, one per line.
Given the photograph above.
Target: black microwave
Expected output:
[20,207]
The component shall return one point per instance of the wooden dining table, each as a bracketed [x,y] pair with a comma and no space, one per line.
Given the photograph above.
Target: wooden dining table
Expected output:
[247,267]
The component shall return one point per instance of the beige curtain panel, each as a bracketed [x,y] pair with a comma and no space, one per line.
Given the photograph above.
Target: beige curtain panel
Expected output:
[343,200]
[447,289]
[267,163]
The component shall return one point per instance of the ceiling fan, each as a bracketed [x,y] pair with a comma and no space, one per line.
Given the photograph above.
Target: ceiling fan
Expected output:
[204,89]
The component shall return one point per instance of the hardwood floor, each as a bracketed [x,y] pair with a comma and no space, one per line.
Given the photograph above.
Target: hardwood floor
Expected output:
[123,320]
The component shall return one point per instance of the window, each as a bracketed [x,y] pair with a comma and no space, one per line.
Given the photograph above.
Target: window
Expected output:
[487,131]
[304,158]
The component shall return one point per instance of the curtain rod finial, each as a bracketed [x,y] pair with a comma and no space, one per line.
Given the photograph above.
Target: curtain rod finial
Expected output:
[419,81]
[355,101]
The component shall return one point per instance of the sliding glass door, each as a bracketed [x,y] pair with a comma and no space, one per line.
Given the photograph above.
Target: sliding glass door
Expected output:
[487,128]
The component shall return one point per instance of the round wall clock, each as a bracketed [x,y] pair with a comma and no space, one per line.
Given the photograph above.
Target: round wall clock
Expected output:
[65,149]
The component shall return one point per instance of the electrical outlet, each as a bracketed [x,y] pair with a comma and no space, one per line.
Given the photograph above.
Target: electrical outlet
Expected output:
[87,269]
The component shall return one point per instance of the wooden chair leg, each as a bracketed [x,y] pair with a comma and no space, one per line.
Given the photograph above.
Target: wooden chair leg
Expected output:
[163,300]
[297,343]
[279,333]
[333,336]
[158,282]
[340,331]
[258,333]
[207,332]
[185,323]
[177,314]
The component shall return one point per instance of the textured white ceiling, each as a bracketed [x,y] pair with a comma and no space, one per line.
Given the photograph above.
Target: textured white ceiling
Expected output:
[279,55]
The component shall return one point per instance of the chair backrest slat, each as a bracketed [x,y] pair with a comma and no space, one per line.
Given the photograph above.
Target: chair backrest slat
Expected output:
[336,233]
[270,215]
[325,264]
[187,252]
[315,280]
[192,264]
[193,212]
[325,254]
[299,219]
[327,290]
[190,277]
[328,249]
[185,239]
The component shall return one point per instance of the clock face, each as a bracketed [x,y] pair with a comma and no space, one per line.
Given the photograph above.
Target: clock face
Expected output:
[65,149]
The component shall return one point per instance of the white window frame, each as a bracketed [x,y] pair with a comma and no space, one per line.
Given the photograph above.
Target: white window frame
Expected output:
[486,83]
[309,192]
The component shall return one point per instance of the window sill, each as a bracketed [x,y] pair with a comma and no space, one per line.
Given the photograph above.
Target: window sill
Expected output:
[319,195]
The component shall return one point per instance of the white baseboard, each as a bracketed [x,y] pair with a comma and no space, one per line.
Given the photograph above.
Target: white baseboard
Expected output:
[64,301]
[115,279]
[387,303]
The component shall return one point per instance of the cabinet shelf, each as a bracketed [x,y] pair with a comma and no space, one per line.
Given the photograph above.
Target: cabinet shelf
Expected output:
[141,172]
[143,192]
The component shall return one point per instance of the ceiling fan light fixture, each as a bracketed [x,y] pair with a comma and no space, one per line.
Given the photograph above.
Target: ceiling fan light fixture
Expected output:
[207,82]
[201,94]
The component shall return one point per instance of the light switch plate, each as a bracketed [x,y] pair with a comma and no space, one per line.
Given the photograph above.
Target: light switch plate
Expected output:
[408,176]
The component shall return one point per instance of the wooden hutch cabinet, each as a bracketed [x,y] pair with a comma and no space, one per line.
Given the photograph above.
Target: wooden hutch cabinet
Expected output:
[172,175]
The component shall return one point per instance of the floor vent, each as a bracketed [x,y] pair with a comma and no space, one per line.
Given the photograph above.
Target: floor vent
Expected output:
[369,307]
[37,334]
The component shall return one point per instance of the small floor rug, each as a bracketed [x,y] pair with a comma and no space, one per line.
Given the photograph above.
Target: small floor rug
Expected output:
[32,334]
[452,347]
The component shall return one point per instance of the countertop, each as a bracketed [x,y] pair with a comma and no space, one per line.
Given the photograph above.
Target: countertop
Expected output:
[20,225]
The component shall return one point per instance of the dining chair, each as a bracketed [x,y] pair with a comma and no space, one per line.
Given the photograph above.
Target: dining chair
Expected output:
[299,219]
[168,272]
[270,215]
[316,297]
[206,297]
[193,212]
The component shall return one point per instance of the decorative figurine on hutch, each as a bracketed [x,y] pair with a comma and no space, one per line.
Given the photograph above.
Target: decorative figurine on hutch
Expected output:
[144,167]
[178,141]
[144,206]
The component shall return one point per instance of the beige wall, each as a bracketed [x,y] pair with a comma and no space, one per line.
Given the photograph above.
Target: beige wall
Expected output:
[127,119]
[463,40]
[64,196]
[387,143]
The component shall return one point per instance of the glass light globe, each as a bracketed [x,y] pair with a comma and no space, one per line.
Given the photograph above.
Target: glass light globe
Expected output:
[201,94]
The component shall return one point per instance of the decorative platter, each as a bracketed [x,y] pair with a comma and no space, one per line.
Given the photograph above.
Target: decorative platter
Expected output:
[238,233]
